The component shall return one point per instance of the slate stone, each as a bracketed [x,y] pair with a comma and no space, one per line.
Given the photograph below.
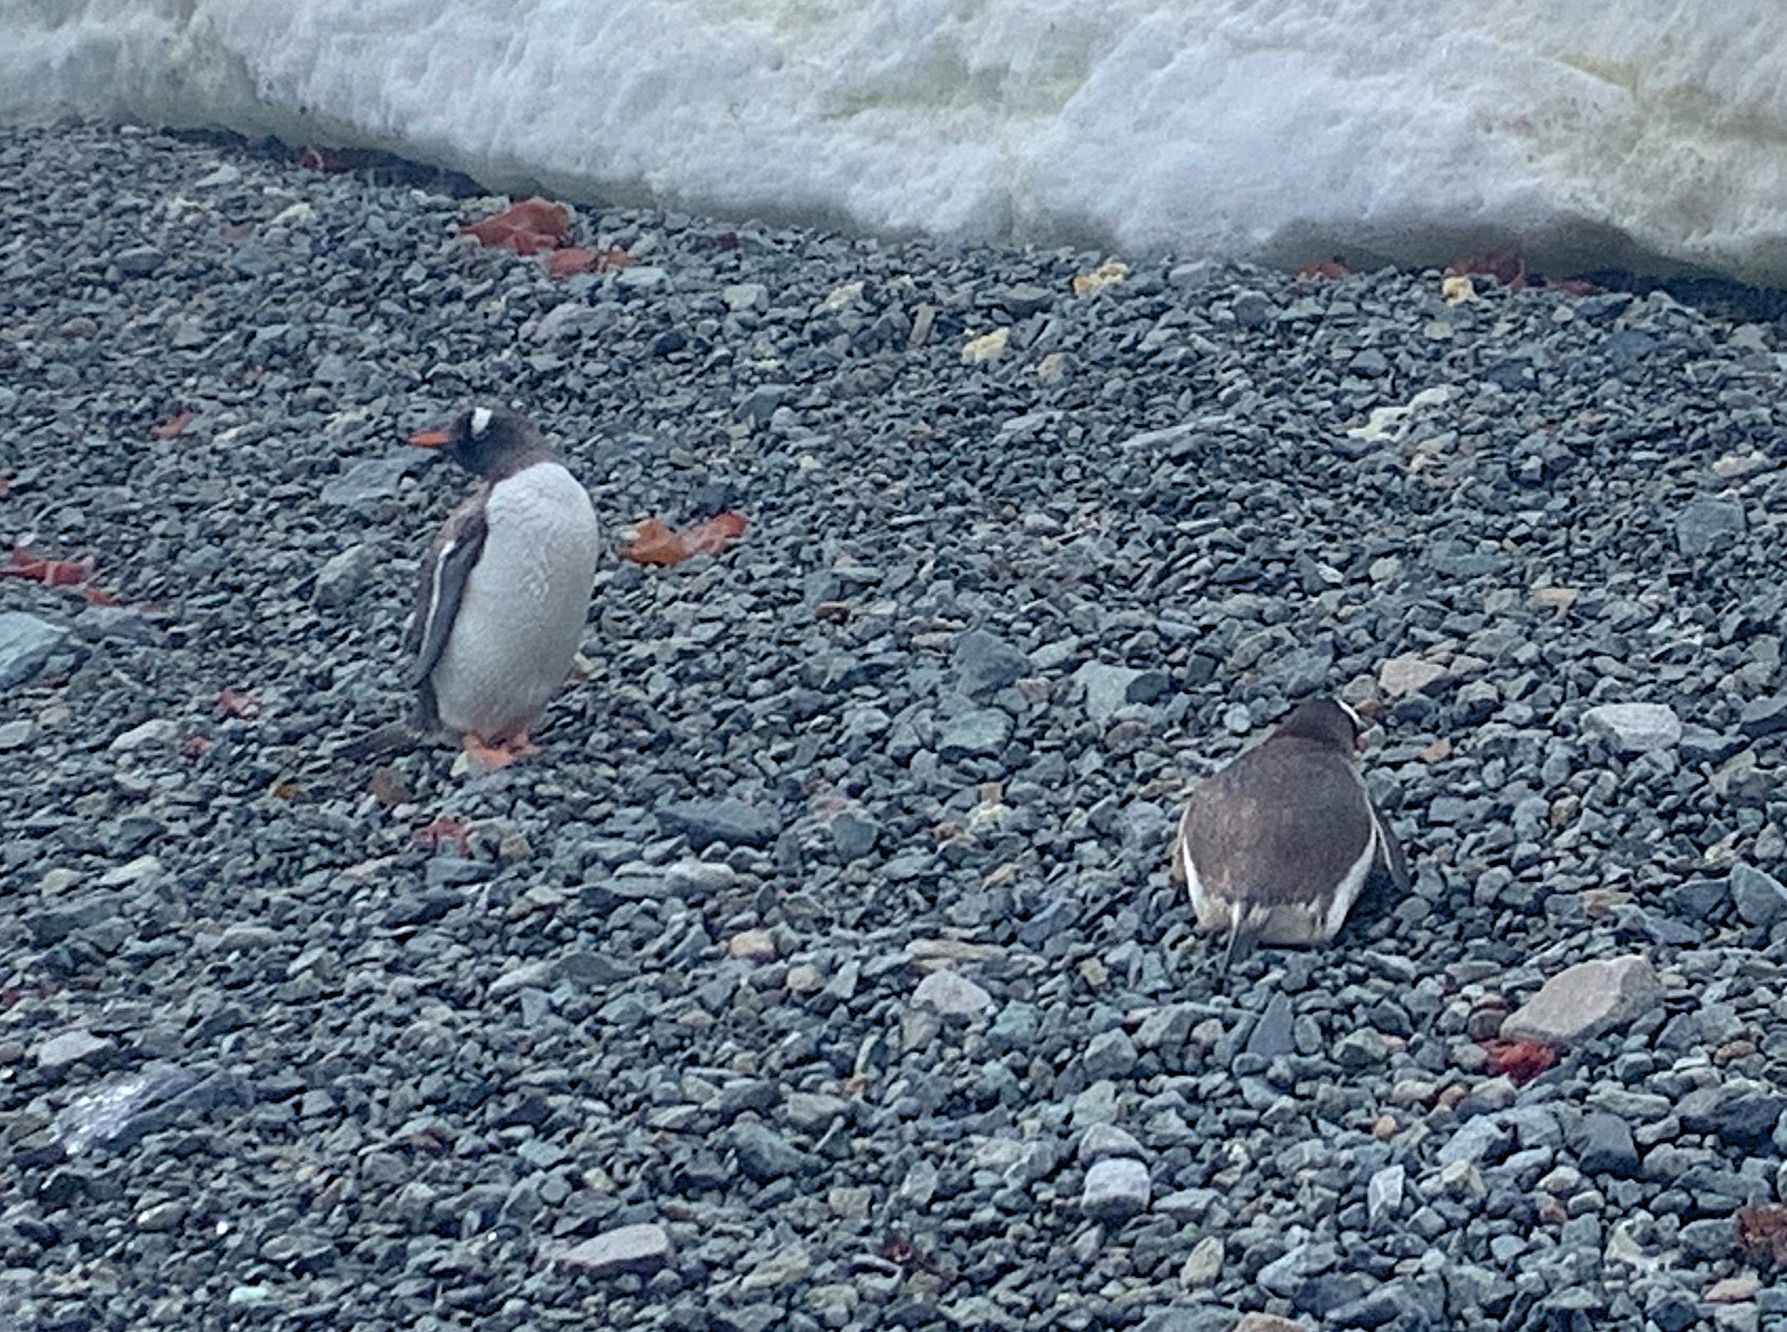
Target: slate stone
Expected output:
[853,836]
[140,261]
[1477,1140]
[1116,1189]
[26,643]
[1384,1193]
[1705,526]
[1103,1141]
[1764,716]
[1190,1318]
[117,1115]
[1603,1145]
[344,575]
[1634,728]
[1107,688]
[71,1047]
[1760,898]
[979,734]
[1741,1113]
[952,995]
[1271,1037]
[986,663]
[726,822]
[642,1249]
[1587,999]
[374,479]
[1253,309]
[764,1155]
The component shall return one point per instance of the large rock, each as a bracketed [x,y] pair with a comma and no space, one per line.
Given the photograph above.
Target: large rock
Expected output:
[642,1249]
[978,734]
[372,480]
[1603,1144]
[25,644]
[1383,1194]
[70,1048]
[1635,728]
[1285,1276]
[344,575]
[1104,1141]
[1402,676]
[119,1114]
[1586,1000]
[1760,899]
[1189,1318]
[985,662]
[1116,1189]
[952,995]
[1704,525]
[1480,1139]
[1764,716]
[729,822]
[764,1155]
[1108,688]
[1739,1112]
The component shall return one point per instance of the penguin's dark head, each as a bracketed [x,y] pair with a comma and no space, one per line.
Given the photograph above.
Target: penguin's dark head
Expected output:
[1327,721]
[489,442]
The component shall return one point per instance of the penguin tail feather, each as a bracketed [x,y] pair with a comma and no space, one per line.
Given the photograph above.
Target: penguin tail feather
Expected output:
[1240,942]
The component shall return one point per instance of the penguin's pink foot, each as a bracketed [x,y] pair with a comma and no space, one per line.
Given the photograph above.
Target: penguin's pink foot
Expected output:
[488,758]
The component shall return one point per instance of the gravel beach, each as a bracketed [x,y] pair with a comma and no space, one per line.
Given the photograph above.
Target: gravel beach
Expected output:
[824,972]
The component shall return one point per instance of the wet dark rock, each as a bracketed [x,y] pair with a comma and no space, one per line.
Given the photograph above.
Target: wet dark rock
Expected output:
[727,822]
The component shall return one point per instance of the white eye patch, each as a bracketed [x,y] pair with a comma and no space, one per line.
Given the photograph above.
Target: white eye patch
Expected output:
[480,421]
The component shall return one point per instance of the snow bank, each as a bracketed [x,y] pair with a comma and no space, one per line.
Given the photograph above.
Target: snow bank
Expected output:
[1584,130]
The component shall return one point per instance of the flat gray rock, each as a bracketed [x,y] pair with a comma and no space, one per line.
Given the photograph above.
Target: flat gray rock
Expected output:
[1190,1318]
[1760,898]
[1590,998]
[765,1155]
[1383,1194]
[1103,1141]
[25,645]
[1106,688]
[978,734]
[1116,1189]
[985,662]
[344,576]
[1764,716]
[641,1249]
[70,1048]
[1704,525]
[372,480]
[952,995]
[1635,728]
[728,822]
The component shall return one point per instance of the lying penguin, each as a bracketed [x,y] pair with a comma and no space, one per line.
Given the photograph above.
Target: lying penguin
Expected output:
[503,591]
[1278,845]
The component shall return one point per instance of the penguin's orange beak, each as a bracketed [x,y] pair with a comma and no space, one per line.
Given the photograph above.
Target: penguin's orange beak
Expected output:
[429,439]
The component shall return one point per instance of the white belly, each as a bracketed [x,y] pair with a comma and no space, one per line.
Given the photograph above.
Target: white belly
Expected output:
[525,603]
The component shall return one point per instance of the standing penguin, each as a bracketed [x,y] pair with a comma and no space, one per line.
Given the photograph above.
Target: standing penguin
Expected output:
[1277,846]
[504,589]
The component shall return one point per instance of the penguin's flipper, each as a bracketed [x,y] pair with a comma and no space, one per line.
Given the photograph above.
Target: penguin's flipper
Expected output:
[440,587]
[1390,850]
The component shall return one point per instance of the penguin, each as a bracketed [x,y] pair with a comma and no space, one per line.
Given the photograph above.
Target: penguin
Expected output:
[503,591]
[1277,846]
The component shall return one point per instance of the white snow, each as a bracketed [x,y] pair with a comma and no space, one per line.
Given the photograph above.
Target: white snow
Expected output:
[1583,130]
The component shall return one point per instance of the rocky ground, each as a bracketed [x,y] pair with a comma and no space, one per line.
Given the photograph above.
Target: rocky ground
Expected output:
[824,972]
